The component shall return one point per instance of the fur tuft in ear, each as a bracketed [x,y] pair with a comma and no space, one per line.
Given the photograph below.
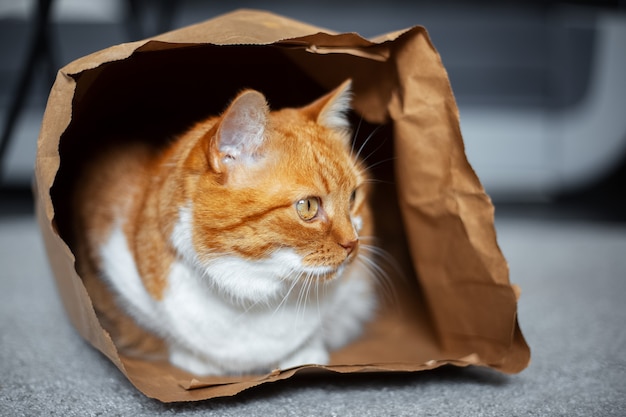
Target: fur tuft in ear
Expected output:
[332,108]
[242,129]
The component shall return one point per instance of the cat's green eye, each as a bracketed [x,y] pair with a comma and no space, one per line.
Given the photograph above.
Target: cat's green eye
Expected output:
[307,208]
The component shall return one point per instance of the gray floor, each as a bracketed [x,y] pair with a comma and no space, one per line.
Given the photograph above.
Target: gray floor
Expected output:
[572,313]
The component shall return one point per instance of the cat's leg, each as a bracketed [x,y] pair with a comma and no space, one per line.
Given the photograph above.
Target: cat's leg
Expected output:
[185,359]
[311,353]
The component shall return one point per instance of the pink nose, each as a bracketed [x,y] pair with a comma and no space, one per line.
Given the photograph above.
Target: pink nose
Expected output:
[350,245]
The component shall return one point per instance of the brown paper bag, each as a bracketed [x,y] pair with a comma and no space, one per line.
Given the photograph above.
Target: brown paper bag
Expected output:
[449,300]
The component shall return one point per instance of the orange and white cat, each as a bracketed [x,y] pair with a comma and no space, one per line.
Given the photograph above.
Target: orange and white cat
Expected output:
[238,243]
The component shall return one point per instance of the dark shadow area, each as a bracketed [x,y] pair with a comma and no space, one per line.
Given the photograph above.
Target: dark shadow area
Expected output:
[16,201]
[601,201]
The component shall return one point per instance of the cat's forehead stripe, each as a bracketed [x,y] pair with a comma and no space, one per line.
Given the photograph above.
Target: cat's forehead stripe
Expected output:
[322,162]
[335,171]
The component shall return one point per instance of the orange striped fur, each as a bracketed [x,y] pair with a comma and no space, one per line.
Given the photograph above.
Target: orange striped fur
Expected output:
[243,175]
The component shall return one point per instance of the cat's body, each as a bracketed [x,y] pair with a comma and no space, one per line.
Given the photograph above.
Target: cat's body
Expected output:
[236,244]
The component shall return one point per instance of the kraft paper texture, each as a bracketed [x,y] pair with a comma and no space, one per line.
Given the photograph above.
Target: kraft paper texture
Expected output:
[448,299]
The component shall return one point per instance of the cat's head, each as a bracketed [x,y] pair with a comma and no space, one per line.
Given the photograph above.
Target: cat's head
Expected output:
[279,188]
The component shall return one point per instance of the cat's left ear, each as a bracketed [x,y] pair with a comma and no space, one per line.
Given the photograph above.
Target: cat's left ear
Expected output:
[241,131]
[331,110]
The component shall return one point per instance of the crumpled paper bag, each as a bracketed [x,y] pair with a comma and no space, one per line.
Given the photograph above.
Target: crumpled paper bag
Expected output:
[447,300]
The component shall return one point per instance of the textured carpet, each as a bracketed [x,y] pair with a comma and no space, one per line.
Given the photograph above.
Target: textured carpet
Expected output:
[572,312]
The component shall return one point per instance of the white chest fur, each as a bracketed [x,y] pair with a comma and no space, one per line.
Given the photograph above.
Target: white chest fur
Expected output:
[231,316]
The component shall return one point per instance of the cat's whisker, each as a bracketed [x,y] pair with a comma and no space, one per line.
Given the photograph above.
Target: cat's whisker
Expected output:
[382,161]
[382,254]
[313,291]
[377,181]
[379,272]
[317,297]
[294,283]
[380,145]
[302,281]
[369,137]
[371,239]
[303,299]
[246,310]
[356,135]
[310,278]
[308,293]
[387,290]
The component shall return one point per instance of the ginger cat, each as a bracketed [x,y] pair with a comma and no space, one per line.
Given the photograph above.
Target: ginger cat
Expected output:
[238,244]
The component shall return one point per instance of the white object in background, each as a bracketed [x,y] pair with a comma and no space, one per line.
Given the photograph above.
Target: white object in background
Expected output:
[536,152]
[67,10]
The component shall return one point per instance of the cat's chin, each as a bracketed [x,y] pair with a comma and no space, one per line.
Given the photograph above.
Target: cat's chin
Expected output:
[320,273]
[324,274]
[268,279]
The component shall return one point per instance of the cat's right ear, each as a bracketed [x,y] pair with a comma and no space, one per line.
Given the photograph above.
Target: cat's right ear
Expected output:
[330,110]
[240,133]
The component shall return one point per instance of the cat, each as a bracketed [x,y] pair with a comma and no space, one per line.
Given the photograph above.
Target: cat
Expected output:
[239,243]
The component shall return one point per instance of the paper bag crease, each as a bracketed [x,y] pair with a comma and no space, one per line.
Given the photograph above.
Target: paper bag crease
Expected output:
[459,307]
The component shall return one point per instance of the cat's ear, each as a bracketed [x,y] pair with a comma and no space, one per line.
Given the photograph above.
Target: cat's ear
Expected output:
[331,109]
[241,131]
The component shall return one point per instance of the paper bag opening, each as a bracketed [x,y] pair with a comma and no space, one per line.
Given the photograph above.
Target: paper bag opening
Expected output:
[448,300]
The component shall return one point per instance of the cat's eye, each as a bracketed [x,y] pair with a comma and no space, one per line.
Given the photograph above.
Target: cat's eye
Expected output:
[307,208]
[352,199]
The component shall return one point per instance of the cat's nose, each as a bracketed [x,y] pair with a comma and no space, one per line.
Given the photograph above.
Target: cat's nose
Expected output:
[350,245]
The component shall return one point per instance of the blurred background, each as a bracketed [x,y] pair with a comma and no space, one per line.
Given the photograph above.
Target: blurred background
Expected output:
[540,84]
[541,88]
